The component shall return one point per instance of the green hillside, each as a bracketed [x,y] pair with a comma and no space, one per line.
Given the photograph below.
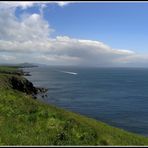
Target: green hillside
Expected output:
[26,121]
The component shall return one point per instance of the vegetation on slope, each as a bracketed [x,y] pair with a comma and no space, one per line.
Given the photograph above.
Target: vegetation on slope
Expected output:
[10,70]
[25,121]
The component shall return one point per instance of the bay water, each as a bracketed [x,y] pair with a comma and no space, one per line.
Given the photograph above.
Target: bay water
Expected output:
[117,96]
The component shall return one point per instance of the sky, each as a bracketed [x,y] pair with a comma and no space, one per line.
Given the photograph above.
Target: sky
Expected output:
[106,34]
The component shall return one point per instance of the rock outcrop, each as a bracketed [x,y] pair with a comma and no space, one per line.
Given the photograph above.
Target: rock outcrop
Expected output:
[23,85]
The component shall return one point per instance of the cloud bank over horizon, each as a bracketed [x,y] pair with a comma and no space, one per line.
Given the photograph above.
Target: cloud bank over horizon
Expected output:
[29,38]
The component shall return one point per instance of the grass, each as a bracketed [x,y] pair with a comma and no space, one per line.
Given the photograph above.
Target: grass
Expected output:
[25,121]
[8,68]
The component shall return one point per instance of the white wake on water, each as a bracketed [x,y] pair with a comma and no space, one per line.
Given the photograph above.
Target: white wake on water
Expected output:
[69,72]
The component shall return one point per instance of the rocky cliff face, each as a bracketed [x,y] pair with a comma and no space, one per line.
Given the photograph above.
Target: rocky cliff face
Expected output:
[23,85]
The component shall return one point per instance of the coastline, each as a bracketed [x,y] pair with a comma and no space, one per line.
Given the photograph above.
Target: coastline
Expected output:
[36,90]
[51,125]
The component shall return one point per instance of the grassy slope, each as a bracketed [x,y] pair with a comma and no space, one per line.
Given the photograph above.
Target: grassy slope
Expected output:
[24,121]
[8,68]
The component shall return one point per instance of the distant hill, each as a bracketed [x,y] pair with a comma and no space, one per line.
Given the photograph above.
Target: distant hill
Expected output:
[25,65]
[20,64]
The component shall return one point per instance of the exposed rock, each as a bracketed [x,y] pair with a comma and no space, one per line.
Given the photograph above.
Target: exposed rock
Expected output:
[27,74]
[23,85]
[41,90]
[26,86]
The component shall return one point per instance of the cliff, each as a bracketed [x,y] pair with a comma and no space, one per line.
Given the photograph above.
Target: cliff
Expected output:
[22,85]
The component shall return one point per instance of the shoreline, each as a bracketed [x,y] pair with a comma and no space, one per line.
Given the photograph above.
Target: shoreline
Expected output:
[38,90]
[45,124]
[39,96]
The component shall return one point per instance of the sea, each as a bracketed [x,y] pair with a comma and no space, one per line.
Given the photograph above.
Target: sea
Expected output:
[116,96]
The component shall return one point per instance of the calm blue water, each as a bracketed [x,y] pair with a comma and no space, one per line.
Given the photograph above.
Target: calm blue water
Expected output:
[117,96]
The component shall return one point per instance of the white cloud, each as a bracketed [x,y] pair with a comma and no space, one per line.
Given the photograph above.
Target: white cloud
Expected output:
[63,3]
[27,4]
[14,4]
[58,59]
[7,57]
[30,27]
[124,51]
[29,39]
[134,58]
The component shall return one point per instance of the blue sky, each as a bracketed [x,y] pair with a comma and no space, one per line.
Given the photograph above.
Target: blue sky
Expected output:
[120,26]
